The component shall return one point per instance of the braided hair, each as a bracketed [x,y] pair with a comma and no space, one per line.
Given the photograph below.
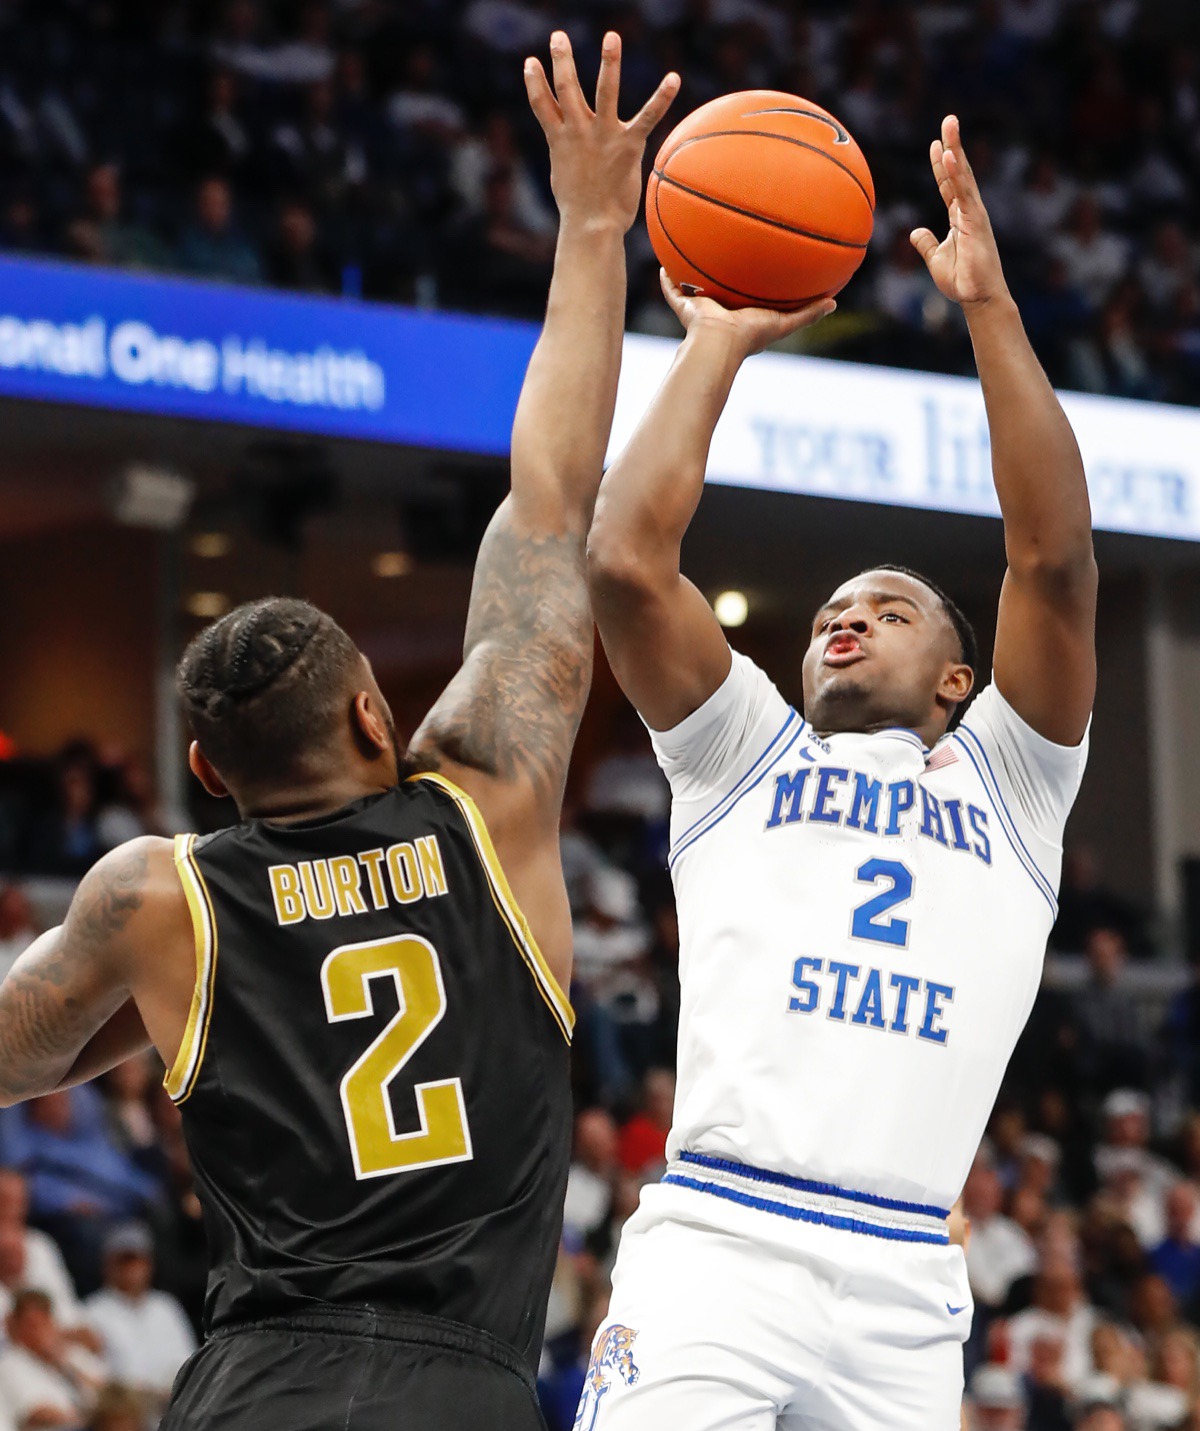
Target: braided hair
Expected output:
[968,642]
[266,684]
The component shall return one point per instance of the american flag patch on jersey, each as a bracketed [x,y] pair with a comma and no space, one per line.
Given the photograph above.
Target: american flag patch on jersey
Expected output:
[941,758]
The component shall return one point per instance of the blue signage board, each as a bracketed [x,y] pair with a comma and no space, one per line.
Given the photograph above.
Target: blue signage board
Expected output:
[220,353]
[180,348]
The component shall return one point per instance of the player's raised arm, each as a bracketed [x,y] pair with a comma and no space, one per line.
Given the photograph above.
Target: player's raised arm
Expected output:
[661,637]
[506,724]
[1045,658]
[65,1006]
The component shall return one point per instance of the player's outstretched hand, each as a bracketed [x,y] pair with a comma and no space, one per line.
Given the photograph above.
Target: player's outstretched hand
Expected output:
[752,329]
[966,264]
[595,157]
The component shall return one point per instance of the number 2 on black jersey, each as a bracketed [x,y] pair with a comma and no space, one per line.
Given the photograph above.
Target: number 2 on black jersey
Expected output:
[443,1137]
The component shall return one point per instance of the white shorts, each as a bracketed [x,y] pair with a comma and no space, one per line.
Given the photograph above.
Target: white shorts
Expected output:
[721,1318]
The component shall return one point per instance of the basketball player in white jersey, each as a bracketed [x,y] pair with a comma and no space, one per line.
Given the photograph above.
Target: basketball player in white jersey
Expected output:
[864,893]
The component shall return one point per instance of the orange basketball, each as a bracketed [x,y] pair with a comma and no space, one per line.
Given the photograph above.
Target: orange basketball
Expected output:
[760,199]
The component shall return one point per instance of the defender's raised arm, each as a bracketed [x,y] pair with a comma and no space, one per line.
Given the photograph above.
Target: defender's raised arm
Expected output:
[663,640]
[1045,658]
[505,726]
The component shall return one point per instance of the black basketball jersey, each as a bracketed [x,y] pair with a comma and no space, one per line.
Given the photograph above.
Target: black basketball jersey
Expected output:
[374,1079]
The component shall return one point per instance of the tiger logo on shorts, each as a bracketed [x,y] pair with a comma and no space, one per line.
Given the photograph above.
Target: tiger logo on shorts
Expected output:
[612,1354]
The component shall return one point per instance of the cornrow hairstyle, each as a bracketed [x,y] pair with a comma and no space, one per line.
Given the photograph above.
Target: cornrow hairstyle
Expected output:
[968,642]
[265,685]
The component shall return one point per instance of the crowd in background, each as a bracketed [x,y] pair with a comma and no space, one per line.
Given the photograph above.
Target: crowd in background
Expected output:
[1084,1201]
[383,148]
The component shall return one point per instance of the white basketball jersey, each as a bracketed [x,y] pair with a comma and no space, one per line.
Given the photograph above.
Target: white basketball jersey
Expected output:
[862,926]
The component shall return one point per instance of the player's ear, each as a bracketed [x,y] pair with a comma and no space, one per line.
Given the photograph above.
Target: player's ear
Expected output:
[371,731]
[205,773]
[958,681]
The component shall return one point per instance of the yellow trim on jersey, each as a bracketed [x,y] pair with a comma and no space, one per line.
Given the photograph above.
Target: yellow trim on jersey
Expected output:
[510,910]
[181,1078]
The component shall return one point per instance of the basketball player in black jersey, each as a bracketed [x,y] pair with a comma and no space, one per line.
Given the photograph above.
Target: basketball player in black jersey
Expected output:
[359,990]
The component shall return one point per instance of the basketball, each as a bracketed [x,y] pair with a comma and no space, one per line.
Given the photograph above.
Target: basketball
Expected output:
[760,199]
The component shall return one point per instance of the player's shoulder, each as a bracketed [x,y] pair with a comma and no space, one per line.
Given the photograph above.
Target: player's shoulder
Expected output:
[991,717]
[134,886]
[139,868]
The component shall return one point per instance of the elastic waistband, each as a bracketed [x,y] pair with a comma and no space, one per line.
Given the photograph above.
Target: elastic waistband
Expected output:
[804,1200]
[386,1324]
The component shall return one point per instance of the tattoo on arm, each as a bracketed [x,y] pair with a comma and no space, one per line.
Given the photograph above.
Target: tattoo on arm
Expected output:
[62,989]
[514,708]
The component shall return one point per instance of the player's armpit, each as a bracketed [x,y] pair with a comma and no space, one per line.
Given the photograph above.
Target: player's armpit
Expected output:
[505,725]
[72,980]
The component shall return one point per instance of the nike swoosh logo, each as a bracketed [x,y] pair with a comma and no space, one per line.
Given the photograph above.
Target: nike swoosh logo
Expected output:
[954,1311]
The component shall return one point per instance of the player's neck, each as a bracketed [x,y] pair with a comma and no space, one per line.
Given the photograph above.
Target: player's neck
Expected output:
[311,800]
[928,734]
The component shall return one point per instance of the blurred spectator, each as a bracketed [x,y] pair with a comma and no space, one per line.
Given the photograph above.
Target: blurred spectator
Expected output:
[295,257]
[1113,1051]
[211,244]
[1039,1166]
[1085,903]
[1100,1416]
[21,224]
[101,234]
[1125,1125]
[64,839]
[610,937]
[903,288]
[1180,1040]
[501,263]
[1170,266]
[219,140]
[305,56]
[581,858]
[663,961]
[420,103]
[126,802]
[592,1175]
[999,1252]
[79,1182]
[130,1091]
[18,927]
[1119,361]
[1153,1310]
[117,1409]
[45,1381]
[997,1400]
[1047,1396]
[1114,1354]
[1094,258]
[494,148]
[1044,200]
[1177,1258]
[643,1141]
[627,781]
[145,1335]
[31,1259]
[1060,1311]
[1162,1400]
[313,155]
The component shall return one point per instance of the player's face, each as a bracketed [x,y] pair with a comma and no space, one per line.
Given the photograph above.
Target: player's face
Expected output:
[881,651]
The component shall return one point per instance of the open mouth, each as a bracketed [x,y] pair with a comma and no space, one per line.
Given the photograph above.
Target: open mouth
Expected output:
[843,650]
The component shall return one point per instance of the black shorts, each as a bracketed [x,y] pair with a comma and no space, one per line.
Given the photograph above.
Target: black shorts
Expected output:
[351,1369]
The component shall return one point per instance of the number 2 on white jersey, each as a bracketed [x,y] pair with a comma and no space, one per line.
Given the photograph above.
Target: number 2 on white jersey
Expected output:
[443,1137]
[868,921]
